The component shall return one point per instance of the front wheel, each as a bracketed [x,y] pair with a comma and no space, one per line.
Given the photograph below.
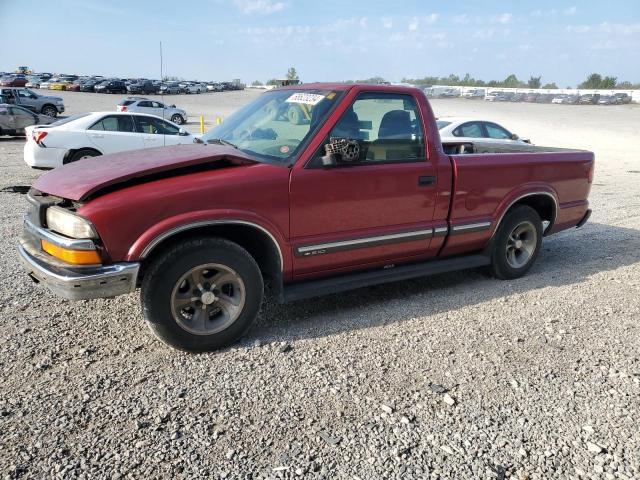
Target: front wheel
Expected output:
[177,119]
[50,111]
[517,243]
[202,294]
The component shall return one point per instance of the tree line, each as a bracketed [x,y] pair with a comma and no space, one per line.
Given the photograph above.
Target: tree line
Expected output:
[593,81]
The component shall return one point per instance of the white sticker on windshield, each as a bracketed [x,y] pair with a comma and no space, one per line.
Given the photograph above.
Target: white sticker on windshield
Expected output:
[306,98]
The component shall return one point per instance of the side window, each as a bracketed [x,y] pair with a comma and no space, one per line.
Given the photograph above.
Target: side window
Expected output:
[153,126]
[114,123]
[144,103]
[496,131]
[157,105]
[386,125]
[169,129]
[469,130]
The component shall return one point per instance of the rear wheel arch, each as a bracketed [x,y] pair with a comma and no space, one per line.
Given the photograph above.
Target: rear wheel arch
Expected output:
[544,203]
[68,157]
[256,240]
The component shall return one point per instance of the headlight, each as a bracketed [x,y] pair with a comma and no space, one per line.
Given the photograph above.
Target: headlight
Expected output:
[69,224]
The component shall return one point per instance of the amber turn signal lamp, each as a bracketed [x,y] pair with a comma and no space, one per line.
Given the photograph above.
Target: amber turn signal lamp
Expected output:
[76,257]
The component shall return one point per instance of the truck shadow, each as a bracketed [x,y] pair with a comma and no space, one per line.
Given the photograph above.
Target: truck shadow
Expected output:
[566,258]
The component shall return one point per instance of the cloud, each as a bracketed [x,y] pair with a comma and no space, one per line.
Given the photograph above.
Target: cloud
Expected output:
[571,10]
[262,7]
[461,19]
[484,34]
[606,27]
[432,18]
[413,24]
[503,18]
[620,28]
[387,22]
[578,28]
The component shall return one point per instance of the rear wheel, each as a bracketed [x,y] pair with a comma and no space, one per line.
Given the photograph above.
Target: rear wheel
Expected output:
[81,154]
[202,294]
[517,243]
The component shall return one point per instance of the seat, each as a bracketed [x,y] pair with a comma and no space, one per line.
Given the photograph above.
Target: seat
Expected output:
[395,125]
[394,140]
[348,126]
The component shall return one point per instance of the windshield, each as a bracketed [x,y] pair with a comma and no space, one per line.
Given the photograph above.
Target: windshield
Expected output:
[276,124]
[442,123]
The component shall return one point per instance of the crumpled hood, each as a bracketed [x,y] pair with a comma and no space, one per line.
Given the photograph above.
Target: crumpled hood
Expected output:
[84,178]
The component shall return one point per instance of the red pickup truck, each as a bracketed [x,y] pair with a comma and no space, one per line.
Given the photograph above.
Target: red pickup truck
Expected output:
[312,190]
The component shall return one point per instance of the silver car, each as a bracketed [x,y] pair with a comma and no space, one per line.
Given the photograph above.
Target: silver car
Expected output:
[153,107]
[14,119]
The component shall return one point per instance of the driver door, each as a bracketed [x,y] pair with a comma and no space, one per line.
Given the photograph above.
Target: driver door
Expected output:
[373,211]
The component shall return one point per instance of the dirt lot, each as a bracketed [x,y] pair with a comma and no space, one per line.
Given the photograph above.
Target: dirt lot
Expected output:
[454,376]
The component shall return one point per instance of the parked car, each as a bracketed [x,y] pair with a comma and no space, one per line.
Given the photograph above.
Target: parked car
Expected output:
[31,100]
[450,93]
[623,97]
[33,82]
[74,86]
[474,94]
[171,88]
[566,99]
[14,119]
[192,87]
[214,87]
[517,97]
[491,96]
[589,99]
[58,85]
[111,86]
[99,133]
[608,100]
[457,129]
[13,81]
[152,107]
[145,87]
[545,98]
[88,85]
[199,227]
[531,97]
[503,97]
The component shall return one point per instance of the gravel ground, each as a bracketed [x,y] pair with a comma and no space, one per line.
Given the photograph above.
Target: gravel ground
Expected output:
[454,376]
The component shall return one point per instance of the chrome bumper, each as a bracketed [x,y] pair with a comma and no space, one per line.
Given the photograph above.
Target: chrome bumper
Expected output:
[69,281]
[81,284]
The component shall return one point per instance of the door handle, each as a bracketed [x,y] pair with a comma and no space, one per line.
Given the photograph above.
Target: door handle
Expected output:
[96,135]
[426,180]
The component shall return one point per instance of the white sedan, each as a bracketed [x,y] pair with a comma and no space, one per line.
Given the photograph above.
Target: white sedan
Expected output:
[456,129]
[98,133]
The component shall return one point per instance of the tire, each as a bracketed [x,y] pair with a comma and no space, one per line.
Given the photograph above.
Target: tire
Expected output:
[516,244]
[177,119]
[294,115]
[169,283]
[49,111]
[82,153]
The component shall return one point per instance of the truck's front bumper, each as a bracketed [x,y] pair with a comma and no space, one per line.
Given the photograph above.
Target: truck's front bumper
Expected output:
[70,281]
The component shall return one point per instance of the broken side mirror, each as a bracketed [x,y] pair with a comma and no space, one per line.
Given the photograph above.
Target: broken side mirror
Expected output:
[341,150]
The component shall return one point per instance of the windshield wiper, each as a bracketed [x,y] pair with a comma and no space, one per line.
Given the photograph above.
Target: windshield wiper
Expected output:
[220,141]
